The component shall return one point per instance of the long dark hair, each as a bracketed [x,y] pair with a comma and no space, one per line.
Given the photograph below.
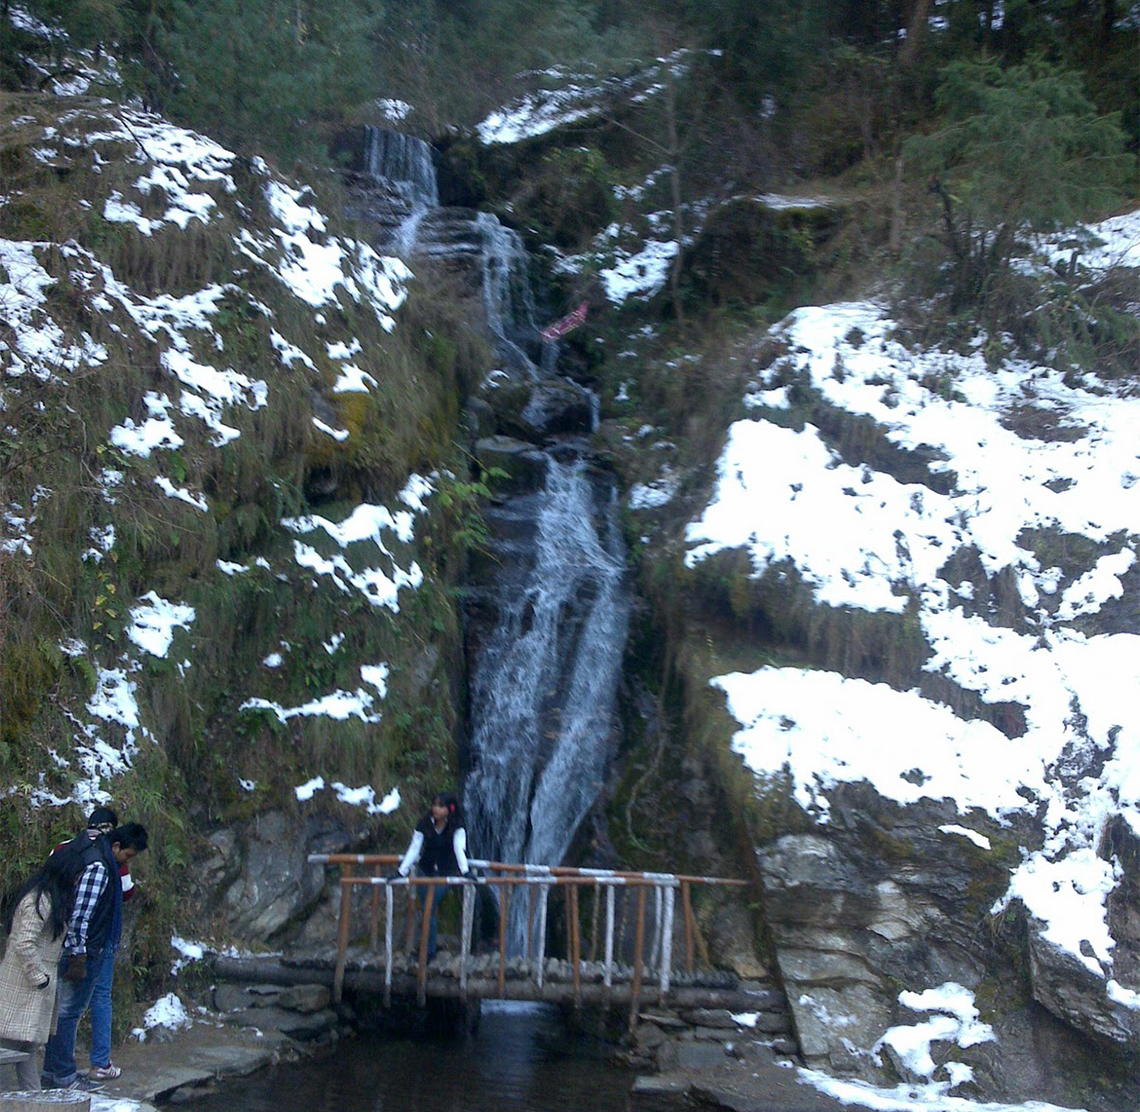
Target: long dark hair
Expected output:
[451,802]
[56,882]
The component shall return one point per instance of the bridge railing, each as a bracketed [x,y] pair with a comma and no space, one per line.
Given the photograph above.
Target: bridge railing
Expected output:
[653,929]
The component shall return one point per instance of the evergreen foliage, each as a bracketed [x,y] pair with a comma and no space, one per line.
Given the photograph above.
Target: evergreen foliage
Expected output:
[1020,150]
[270,70]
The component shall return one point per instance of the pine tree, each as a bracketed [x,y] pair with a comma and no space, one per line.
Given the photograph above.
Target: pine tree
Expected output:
[269,70]
[1019,150]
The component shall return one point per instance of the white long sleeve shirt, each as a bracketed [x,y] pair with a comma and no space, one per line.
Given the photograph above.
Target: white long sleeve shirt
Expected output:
[415,849]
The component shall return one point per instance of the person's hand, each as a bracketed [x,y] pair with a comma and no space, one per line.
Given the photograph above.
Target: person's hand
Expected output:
[76,968]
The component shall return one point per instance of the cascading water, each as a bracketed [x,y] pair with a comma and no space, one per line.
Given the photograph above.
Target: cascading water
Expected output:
[406,166]
[543,683]
[548,624]
[508,299]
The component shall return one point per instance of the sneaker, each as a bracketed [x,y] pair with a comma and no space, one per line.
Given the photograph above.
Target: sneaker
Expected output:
[104,1073]
[82,1085]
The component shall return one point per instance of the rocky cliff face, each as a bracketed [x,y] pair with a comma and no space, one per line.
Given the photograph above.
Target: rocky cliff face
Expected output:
[940,791]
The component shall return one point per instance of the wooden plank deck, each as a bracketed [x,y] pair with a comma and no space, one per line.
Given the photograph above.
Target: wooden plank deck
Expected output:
[365,973]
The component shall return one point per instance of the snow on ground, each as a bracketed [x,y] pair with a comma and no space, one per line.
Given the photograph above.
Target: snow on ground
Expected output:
[931,1097]
[540,112]
[861,539]
[154,622]
[168,1012]
[953,1019]
[1112,242]
[338,705]
[366,523]
[639,275]
[573,97]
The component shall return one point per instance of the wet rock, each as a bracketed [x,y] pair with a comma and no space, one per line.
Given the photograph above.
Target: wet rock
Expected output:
[524,464]
[698,1055]
[710,1017]
[648,1036]
[558,406]
[771,1023]
[305,998]
[258,874]
[480,418]
[664,1019]
[293,1024]
[237,998]
[659,1093]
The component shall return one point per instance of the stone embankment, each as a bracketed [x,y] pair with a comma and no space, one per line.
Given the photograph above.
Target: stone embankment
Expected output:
[234,1032]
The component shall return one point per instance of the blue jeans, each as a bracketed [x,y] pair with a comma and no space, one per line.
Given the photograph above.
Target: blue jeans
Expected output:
[101,1009]
[439,891]
[59,1054]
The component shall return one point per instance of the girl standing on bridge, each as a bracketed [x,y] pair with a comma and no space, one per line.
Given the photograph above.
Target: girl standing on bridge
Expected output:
[439,848]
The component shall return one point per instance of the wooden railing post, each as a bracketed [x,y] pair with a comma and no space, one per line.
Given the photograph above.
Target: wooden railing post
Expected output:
[374,911]
[530,921]
[342,932]
[425,930]
[409,918]
[687,908]
[638,955]
[388,912]
[504,913]
[575,944]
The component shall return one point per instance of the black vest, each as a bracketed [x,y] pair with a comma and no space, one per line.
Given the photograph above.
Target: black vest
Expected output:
[83,851]
[437,857]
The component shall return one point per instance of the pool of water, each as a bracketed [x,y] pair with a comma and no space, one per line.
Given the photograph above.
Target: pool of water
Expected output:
[521,1058]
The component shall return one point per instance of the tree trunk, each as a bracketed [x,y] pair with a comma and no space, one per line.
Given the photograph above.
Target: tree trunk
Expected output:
[915,32]
[1107,22]
[675,180]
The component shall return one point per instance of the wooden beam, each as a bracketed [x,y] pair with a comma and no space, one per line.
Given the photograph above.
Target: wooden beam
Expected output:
[638,955]
[343,928]
[425,930]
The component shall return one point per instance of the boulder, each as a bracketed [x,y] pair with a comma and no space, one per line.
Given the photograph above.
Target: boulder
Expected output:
[257,875]
[1073,992]
[524,464]
[558,406]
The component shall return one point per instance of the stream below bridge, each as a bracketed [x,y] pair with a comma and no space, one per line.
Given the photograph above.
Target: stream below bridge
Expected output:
[521,1058]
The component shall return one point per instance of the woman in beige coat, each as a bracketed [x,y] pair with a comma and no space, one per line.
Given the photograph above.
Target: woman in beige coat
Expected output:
[36,929]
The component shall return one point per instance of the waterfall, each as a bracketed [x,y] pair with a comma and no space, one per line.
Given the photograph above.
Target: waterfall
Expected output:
[547,623]
[543,684]
[507,295]
[405,164]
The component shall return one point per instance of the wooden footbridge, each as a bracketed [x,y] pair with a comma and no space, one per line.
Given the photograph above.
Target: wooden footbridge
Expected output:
[619,931]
